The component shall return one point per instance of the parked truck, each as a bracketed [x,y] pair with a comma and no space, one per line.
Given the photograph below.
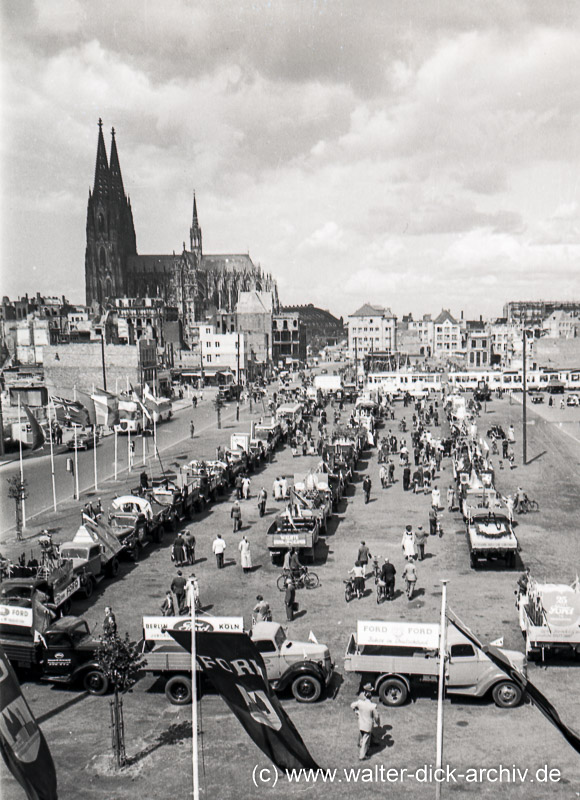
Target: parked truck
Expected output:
[490,536]
[150,518]
[293,528]
[398,657]
[304,668]
[549,616]
[65,653]
[94,553]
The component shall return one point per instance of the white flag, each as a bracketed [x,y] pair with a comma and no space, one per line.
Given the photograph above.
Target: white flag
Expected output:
[498,642]
[312,638]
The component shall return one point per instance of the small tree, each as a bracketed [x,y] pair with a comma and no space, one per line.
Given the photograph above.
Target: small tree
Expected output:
[120,661]
[218,403]
[17,492]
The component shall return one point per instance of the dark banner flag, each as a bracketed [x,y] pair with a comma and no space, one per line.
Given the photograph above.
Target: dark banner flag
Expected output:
[22,744]
[541,702]
[37,433]
[236,670]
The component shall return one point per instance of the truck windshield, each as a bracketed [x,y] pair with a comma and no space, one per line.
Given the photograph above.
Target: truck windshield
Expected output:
[73,552]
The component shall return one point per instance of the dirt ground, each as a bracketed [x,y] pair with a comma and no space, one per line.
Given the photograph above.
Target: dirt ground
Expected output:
[477,734]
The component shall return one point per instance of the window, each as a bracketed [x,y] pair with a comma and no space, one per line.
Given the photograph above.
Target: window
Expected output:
[265,646]
[462,651]
[208,359]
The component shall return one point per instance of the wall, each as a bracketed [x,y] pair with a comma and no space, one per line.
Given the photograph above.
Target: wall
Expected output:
[80,365]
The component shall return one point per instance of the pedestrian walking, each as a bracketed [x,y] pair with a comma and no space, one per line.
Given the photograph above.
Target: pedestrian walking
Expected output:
[432,521]
[236,515]
[109,623]
[262,497]
[383,475]
[189,546]
[178,551]
[246,487]
[359,573]
[406,478]
[420,540]
[391,471]
[168,606]
[363,555]
[451,498]
[192,593]
[367,488]
[289,599]
[245,555]
[435,497]
[368,718]
[388,573]
[261,611]
[238,484]
[408,544]
[410,577]
[218,547]
[191,429]
[178,585]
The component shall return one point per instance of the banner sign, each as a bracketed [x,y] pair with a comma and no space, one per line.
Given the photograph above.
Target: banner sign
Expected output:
[404,634]
[15,615]
[157,628]
[234,666]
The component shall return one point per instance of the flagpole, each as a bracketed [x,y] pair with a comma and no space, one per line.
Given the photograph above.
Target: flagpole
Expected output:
[441,688]
[95,455]
[76,464]
[22,502]
[128,447]
[194,754]
[143,438]
[52,455]
[115,435]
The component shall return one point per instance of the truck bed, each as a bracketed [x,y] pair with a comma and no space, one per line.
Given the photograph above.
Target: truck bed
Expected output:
[22,652]
[167,657]
[380,659]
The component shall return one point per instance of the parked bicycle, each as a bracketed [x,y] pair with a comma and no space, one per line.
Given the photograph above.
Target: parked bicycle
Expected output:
[304,580]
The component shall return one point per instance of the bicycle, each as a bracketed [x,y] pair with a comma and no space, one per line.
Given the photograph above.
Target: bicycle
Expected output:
[305,580]
[526,506]
[349,590]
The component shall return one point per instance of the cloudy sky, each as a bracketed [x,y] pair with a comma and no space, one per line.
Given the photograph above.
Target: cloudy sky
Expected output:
[414,153]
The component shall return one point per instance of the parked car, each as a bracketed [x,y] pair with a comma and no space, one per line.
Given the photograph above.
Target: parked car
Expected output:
[573,400]
[537,397]
[84,441]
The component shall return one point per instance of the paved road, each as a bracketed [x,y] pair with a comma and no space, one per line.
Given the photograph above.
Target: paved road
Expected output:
[37,470]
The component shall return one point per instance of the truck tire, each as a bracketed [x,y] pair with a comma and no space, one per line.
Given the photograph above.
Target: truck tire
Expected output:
[393,692]
[506,694]
[306,688]
[95,682]
[178,690]
[113,568]
[89,587]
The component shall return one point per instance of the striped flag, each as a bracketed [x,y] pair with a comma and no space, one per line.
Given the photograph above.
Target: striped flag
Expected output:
[22,743]
[71,412]
[106,407]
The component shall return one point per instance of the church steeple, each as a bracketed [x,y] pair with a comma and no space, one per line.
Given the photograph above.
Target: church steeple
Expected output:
[117,188]
[101,185]
[195,232]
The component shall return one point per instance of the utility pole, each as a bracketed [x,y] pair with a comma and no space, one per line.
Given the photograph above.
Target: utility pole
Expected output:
[524,403]
[355,362]
[238,381]
[103,358]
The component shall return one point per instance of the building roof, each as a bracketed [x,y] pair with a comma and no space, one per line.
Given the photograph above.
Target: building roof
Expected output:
[228,262]
[254,303]
[368,310]
[444,316]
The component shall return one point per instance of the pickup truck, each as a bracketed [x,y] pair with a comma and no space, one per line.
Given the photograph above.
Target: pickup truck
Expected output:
[490,535]
[549,616]
[180,502]
[148,517]
[303,667]
[64,654]
[397,657]
[313,493]
[59,586]
[298,530]
[94,554]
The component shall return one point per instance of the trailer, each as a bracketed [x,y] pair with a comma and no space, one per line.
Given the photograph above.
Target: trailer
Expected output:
[397,657]
[549,617]
[298,529]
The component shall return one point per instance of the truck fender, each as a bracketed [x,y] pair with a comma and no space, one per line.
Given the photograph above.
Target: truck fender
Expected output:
[78,673]
[301,668]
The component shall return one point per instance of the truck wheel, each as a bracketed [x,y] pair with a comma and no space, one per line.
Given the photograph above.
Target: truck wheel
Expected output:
[506,694]
[113,568]
[473,561]
[66,607]
[178,690]
[306,688]
[89,588]
[393,692]
[95,682]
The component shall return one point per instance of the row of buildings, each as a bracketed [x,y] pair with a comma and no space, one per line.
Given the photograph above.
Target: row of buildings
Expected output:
[376,335]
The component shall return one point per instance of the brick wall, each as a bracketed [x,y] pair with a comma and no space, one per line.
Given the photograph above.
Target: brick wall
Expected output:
[80,365]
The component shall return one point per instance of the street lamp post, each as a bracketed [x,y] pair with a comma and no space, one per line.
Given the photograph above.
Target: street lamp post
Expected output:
[524,403]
